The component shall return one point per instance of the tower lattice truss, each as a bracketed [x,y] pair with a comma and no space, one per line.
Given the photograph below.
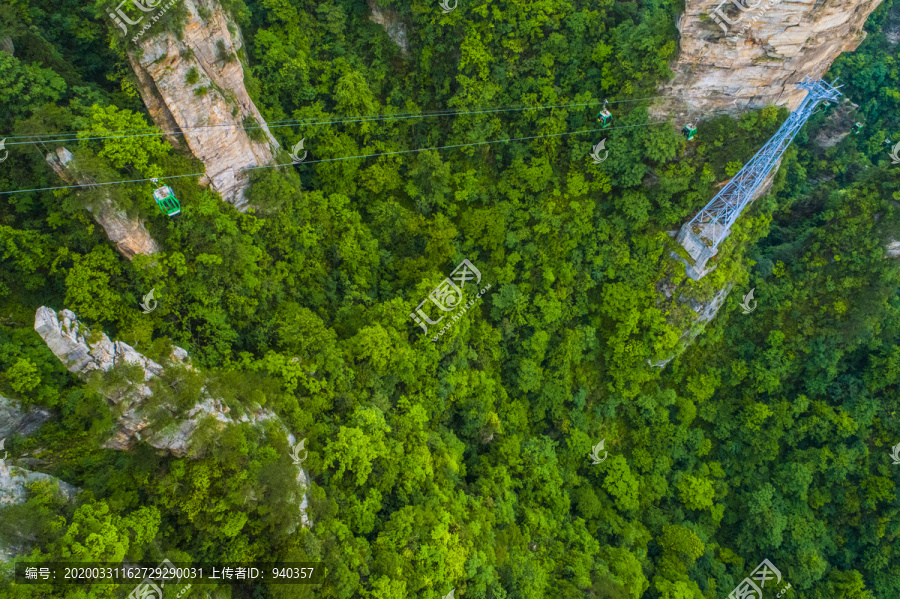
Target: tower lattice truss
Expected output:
[702,235]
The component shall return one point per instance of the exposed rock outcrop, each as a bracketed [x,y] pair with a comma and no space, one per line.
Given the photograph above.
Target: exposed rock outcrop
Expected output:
[14,480]
[705,312]
[14,420]
[129,234]
[891,27]
[837,126]
[303,482]
[393,25]
[67,340]
[196,84]
[83,353]
[770,47]
[6,45]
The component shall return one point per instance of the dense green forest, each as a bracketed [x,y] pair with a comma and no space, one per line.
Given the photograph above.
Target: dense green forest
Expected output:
[463,463]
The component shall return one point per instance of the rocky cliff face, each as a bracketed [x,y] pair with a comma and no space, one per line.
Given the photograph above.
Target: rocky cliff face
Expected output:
[14,480]
[14,420]
[393,25]
[704,312]
[303,483]
[750,53]
[129,234]
[70,342]
[891,27]
[196,84]
[83,353]
[836,126]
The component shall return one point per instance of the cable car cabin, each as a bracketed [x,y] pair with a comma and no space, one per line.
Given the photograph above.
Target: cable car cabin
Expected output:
[857,127]
[689,131]
[166,200]
[604,117]
[887,143]
[825,106]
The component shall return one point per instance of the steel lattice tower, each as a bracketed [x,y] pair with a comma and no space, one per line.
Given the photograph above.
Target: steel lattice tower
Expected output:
[702,235]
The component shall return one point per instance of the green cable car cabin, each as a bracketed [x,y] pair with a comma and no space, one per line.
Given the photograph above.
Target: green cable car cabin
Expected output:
[604,118]
[825,106]
[689,131]
[166,200]
[887,143]
[857,127]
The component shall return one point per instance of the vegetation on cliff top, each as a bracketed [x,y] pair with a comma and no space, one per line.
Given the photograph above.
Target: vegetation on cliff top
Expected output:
[463,463]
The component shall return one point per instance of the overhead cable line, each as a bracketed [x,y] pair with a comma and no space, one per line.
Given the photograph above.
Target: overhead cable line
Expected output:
[300,123]
[478,143]
[181,130]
